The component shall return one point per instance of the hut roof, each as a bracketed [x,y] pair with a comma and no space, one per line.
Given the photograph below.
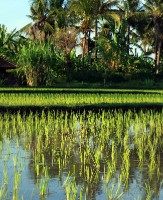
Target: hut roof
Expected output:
[6,64]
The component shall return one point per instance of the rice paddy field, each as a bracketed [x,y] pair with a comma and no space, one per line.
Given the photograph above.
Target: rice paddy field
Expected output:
[77,98]
[58,152]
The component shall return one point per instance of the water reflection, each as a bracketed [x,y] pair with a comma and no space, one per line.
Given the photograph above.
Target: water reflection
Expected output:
[96,152]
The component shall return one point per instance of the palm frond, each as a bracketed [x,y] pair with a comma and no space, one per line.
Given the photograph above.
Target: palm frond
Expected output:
[33,11]
[25,28]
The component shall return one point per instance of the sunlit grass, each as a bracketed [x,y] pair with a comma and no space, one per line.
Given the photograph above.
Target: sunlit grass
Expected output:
[78,99]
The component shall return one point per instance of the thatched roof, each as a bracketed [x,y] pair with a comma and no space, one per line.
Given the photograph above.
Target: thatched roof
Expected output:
[4,64]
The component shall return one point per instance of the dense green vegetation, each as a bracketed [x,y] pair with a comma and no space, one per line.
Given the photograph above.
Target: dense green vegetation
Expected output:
[107,34]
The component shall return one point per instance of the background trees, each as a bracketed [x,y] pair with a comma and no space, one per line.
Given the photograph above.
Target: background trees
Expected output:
[154,12]
[111,34]
[8,43]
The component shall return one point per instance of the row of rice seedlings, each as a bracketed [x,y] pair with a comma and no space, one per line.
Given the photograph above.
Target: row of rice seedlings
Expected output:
[88,139]
[63,99]
[148,140]
[87,152]
[66,145]
[85,90]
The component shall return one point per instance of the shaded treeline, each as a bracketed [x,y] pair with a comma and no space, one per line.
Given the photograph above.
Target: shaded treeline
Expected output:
[87,41]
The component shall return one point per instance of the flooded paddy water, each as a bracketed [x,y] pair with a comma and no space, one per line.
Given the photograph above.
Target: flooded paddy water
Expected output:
[109,154]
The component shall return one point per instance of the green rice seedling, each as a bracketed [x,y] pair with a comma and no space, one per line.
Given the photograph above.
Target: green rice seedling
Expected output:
[60,162]
[70,188]
[8,146]
[113,155]
[5,177]
[19,121]
[1,125]
[5,172]
[113,189]
[149,192]
[119,131]
[125,168]
[68,191]
[17,178]
[152,164]
[43,186]
[81,193]
[87,172]
[4,184]
[97,156]
[109,173]
[53,156]
[7,124]
[158,165]
[3,192]
[154,159]
[141,147]
[13,122]
[15,195]
[140,151]
[37,169]
[42,159]
[17,172]
[38,149]
[15,160]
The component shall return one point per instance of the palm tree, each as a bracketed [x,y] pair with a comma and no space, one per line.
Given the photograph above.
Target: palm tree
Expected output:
[42,18]
[154,12]
[130,12]
[104,10]
[83,10]
[47,16]
[146,36]
[59,9]
[88,12]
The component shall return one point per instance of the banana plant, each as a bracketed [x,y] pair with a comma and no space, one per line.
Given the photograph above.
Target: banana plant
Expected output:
[38,63]
[7,42]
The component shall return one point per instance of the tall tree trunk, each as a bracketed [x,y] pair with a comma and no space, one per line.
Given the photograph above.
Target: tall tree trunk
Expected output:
[67,62]
[96,27]
[128,39]
[158,57]
[83,49]
[156,53]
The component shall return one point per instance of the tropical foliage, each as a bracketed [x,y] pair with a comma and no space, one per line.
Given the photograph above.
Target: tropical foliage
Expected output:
[87,41]
[38,63]
[8,43]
